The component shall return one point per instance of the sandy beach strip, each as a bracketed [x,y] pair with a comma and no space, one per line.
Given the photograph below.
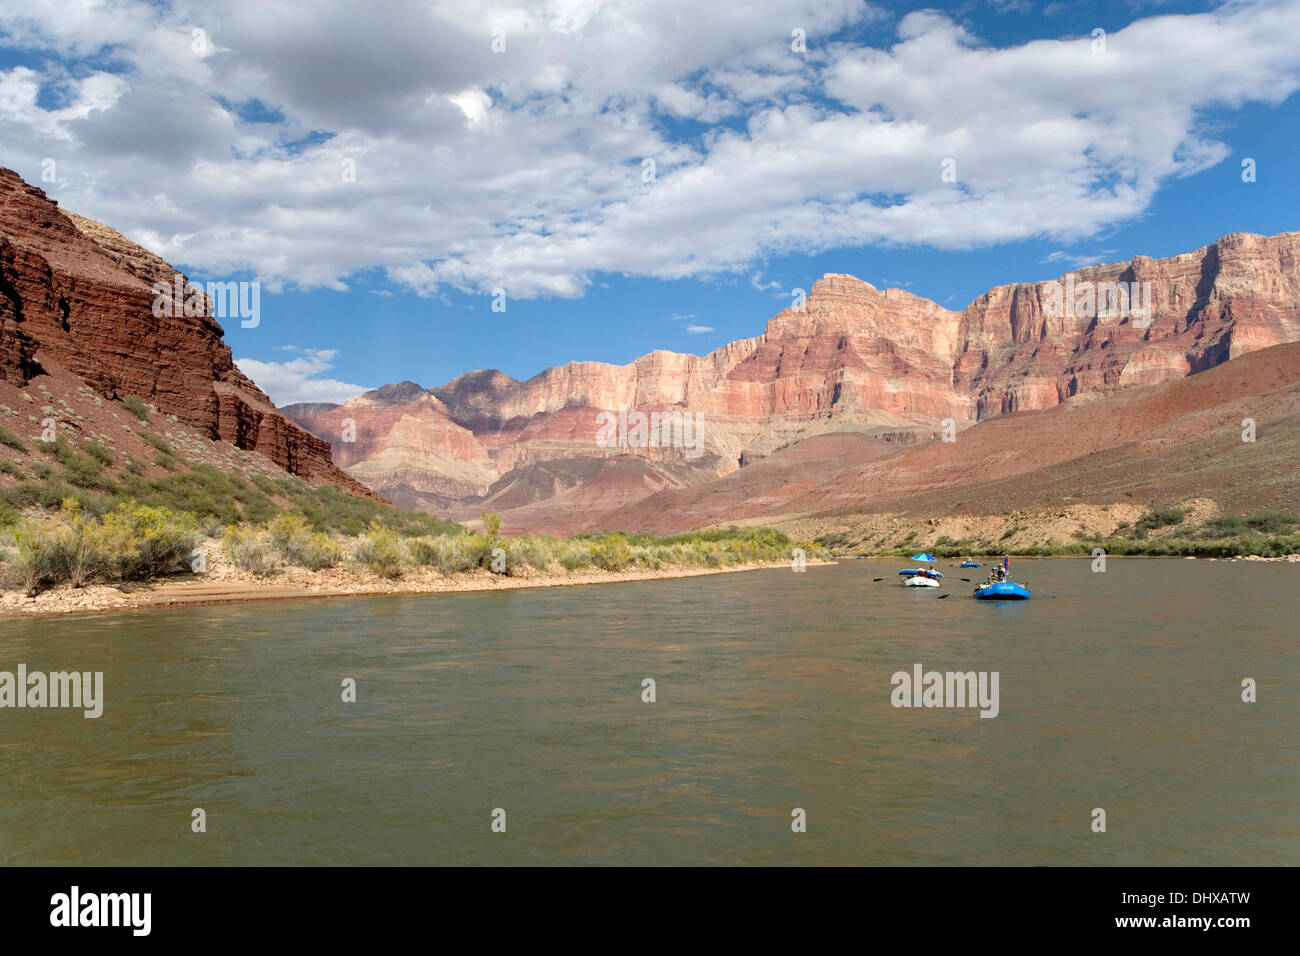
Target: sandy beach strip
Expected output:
[229,587]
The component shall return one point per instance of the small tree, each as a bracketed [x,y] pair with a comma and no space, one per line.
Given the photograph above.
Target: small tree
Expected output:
[491,524]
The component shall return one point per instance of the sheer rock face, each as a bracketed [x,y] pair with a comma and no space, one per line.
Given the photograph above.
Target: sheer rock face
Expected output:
[78,296]
[853,359]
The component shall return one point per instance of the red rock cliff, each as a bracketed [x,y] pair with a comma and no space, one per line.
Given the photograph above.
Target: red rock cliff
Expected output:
[77,296]
[854,358]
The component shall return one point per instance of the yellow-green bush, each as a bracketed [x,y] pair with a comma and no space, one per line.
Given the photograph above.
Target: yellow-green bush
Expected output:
[151,541]
[380,551]
[611,554]
[292,536]
[248,549]
[131,542]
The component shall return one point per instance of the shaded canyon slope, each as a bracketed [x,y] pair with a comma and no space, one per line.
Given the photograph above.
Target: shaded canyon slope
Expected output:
[76,311]
[856,375]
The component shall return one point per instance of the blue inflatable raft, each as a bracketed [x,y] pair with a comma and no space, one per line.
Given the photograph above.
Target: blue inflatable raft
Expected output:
[1002,591]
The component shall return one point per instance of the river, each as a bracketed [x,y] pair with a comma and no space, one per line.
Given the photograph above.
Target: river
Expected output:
[1119,691]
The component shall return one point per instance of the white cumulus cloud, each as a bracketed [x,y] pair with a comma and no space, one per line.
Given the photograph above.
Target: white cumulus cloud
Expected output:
[299,379]
[311,142]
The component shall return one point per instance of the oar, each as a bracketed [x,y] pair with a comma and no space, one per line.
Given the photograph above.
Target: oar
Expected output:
[877,579]
[967,580]
[942,596]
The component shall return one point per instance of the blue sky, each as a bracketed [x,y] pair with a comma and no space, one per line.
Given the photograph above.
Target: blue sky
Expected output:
[219,146]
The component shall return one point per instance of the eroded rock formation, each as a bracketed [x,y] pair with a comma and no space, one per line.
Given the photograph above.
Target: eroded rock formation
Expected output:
[76,298]
[854,359]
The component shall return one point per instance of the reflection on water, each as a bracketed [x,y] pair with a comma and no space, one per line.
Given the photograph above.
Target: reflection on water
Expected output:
[1118,690]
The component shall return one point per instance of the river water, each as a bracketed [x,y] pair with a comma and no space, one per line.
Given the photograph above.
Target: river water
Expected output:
[1118,690]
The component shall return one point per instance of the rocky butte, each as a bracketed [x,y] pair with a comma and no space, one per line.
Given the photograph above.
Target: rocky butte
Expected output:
[865,371]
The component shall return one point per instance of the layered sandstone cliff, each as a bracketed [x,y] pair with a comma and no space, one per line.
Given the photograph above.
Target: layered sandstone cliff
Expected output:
[76,298]
[885,363]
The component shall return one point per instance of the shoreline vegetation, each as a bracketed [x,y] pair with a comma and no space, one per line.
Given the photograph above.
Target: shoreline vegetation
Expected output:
[135,555]
[1156,532]
[86,526]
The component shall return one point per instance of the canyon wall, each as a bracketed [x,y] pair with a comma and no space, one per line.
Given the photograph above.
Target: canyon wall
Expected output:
[854,359]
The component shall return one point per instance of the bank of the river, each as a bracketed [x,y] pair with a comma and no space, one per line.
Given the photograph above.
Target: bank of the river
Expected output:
[225,584]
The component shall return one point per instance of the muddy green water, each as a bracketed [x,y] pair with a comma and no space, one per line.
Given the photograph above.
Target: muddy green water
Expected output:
[773,692]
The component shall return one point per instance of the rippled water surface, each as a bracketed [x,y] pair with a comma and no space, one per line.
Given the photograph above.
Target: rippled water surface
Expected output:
[1119,690]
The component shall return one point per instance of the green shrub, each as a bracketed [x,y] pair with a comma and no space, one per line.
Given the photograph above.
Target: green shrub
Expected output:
[47,493]
[136,407]
[1272,522]
[81,551]
[150,542]
[158,442]
[82,470]
[11,440]
[477,550]
[247,549]
[98,452]
[529,551]
[36,564]
[1159,518]
[422,552]
[131,542]
[612,554]
[380,551]
[1224,526]
[293,538]
[573,560]
[453,553]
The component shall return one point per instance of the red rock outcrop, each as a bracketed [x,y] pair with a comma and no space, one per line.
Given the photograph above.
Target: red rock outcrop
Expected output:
[854,358]
[78,296]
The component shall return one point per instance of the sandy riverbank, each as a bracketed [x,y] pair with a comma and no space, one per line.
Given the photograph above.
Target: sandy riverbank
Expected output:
[224,585]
